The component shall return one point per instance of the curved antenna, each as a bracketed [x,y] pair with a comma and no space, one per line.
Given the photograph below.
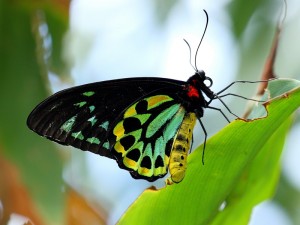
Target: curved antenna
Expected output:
[190,53]
[201,39]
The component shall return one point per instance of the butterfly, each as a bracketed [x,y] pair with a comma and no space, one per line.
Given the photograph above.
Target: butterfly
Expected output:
[145,124]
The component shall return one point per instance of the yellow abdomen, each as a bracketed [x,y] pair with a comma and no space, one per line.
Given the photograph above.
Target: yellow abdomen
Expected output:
[181,147]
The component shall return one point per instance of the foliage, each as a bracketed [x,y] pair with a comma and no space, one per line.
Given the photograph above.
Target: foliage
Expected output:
[31,168]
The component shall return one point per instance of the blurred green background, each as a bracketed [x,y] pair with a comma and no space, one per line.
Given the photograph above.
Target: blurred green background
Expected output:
[49,45]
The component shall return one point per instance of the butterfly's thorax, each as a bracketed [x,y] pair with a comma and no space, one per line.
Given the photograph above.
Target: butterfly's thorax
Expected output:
[195,88]
[181,147]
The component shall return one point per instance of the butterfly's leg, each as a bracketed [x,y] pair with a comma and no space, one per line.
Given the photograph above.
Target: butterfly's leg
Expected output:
[205,137]
[192,142]
[210,107]
[239,96]
[241,81]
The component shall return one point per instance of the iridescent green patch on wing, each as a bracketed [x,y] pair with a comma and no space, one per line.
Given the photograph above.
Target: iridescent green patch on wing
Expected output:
[106,145]
[67,126]
[78,135]
[88,93]
[161,118]
[93,120]
[92,108]
[104,125]
[93,140]
[80,104]
[132,123]
[145,135]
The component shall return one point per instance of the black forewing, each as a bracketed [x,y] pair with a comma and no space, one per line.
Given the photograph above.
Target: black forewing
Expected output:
[89,112]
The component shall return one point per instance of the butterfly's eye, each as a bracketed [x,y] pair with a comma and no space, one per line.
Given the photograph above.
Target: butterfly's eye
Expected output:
[210,82]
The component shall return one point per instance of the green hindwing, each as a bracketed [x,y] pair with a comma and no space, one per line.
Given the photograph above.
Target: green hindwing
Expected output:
[145,136]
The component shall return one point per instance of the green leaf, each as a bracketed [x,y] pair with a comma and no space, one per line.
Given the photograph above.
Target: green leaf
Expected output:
[241,13]
[232,174]
[253,187]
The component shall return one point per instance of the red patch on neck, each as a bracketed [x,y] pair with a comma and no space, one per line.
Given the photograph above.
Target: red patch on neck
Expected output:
[193,92]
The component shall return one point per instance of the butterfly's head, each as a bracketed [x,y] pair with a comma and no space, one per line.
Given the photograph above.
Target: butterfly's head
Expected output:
[199,83]
[200,79]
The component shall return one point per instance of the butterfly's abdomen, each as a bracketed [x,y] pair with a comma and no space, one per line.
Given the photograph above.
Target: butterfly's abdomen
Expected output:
[181,147]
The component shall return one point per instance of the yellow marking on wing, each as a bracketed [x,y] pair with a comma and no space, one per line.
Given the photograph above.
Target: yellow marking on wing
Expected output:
[158,99]
[129,163]
[119,148]
[152,102]
[160,171]
[145,171]
[130,111]
[119,130]
[166,163]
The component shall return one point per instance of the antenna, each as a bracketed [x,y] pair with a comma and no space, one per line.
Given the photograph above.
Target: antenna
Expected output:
[201,38]
[190,54]
[197,50]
